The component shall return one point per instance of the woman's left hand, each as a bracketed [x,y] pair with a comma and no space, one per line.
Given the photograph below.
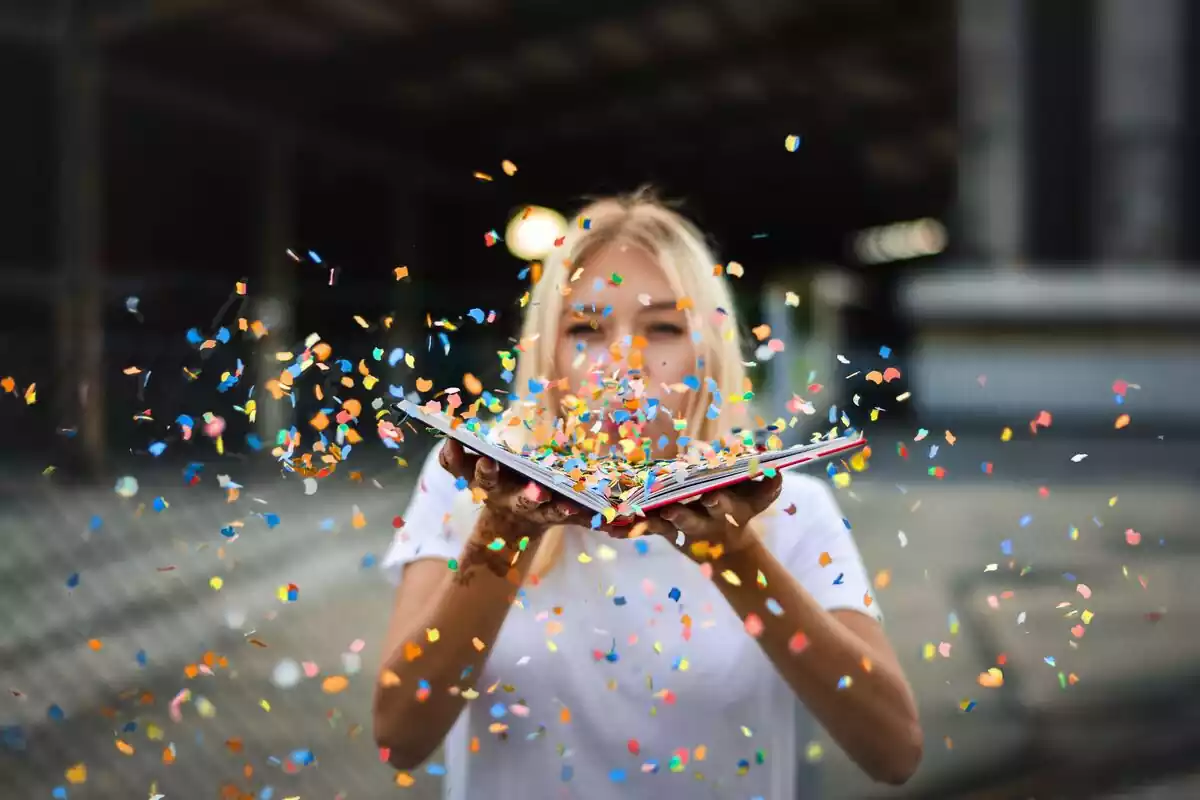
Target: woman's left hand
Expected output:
[718,518]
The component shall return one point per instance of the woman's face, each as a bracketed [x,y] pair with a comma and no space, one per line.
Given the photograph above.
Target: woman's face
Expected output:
[622,340]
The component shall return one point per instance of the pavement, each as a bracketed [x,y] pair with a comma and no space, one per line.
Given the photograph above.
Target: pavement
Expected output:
[981,570]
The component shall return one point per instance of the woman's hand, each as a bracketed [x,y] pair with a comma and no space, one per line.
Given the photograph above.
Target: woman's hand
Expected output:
[513,504]
[718,518]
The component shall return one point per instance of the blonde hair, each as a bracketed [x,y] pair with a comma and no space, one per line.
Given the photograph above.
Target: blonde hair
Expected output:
[678,247]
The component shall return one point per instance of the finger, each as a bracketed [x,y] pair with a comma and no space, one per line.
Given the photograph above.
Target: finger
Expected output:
[561,512]
[527,499]
[455,460]
[725,507]
[763,493]
[487,474]
[683,518]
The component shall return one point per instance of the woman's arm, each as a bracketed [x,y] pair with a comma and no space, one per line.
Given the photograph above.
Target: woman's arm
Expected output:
[442,626]
[872,715]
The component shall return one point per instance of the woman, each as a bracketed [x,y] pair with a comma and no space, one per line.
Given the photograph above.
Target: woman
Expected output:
[631,665]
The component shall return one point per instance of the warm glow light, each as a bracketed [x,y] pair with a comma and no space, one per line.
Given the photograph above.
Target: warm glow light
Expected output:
[901,241]
[532,232]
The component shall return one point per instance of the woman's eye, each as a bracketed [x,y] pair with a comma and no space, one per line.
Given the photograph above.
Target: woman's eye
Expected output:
[579,329]
[664,329]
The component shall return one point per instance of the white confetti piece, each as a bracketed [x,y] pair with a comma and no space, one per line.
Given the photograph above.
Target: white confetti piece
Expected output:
[1079,457]
[903,539]
[287,673]
[310,485]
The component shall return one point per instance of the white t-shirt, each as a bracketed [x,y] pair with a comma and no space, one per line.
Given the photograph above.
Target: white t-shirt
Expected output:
[605,691]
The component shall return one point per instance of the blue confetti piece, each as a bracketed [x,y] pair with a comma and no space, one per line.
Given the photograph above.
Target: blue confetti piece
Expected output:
[846,522]
[435,769]
[612,657]
[183,420]
[72,580]
[314,256]
[141,658]
[885,352]
[1006,547]
[194,337]
[840,579]
[713,412]
[266,793]
[1120,399]
[597,521]
[833,415]
[692,382]
[395,357]
[253,442]
[498,711]
[774,607]
[619,601]
[160,504]
[675,594]
[271,519]
[129,727]
[328,524]
[157,448]
[445,340]
[535,387]
[1025,520]
[368,561]
[223,336]
[641,546]
[460,483]
[617,776]
[59,793]
[476,314]
[567,773]
[95,522]
[56,713]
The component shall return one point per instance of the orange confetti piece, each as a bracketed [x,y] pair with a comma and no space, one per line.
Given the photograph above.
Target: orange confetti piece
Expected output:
[424,385]
[404,780]
[412,651]
[334,684]
[762,332]
[77,774]
[564,715]
[1122,421]
[883,578]
[825,559]
[96,645]
[8,385]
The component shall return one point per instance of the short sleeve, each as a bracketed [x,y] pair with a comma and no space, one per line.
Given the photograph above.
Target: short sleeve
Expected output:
[426,530]
[818,547]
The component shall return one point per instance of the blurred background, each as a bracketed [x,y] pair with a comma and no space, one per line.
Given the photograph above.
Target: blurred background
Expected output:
[992,196]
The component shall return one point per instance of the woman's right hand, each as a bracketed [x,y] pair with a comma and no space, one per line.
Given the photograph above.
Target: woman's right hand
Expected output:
[509,497]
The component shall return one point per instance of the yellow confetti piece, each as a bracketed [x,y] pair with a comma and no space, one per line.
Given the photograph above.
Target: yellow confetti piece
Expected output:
[509,167]
[154,733]
[731,577]
[735,269]
[362,323]
[31,394]
[478,644]
[404,780]
[1006,435]
[432,634]
[483,176]
[216,583]
[77,774]
[814,752]
[584,558]
[264,705]
[792,299]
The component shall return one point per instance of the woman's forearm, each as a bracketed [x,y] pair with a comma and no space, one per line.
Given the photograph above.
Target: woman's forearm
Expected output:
[439,655]
[862,701]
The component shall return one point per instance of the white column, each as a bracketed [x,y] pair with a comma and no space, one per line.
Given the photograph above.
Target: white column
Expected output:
[79,306]
[991,120]
[1139,117]
[275,295]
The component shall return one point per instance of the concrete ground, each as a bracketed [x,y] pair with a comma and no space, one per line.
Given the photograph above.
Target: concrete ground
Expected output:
[991,551]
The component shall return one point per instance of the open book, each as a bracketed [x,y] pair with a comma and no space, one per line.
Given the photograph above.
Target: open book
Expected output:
[619,490]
